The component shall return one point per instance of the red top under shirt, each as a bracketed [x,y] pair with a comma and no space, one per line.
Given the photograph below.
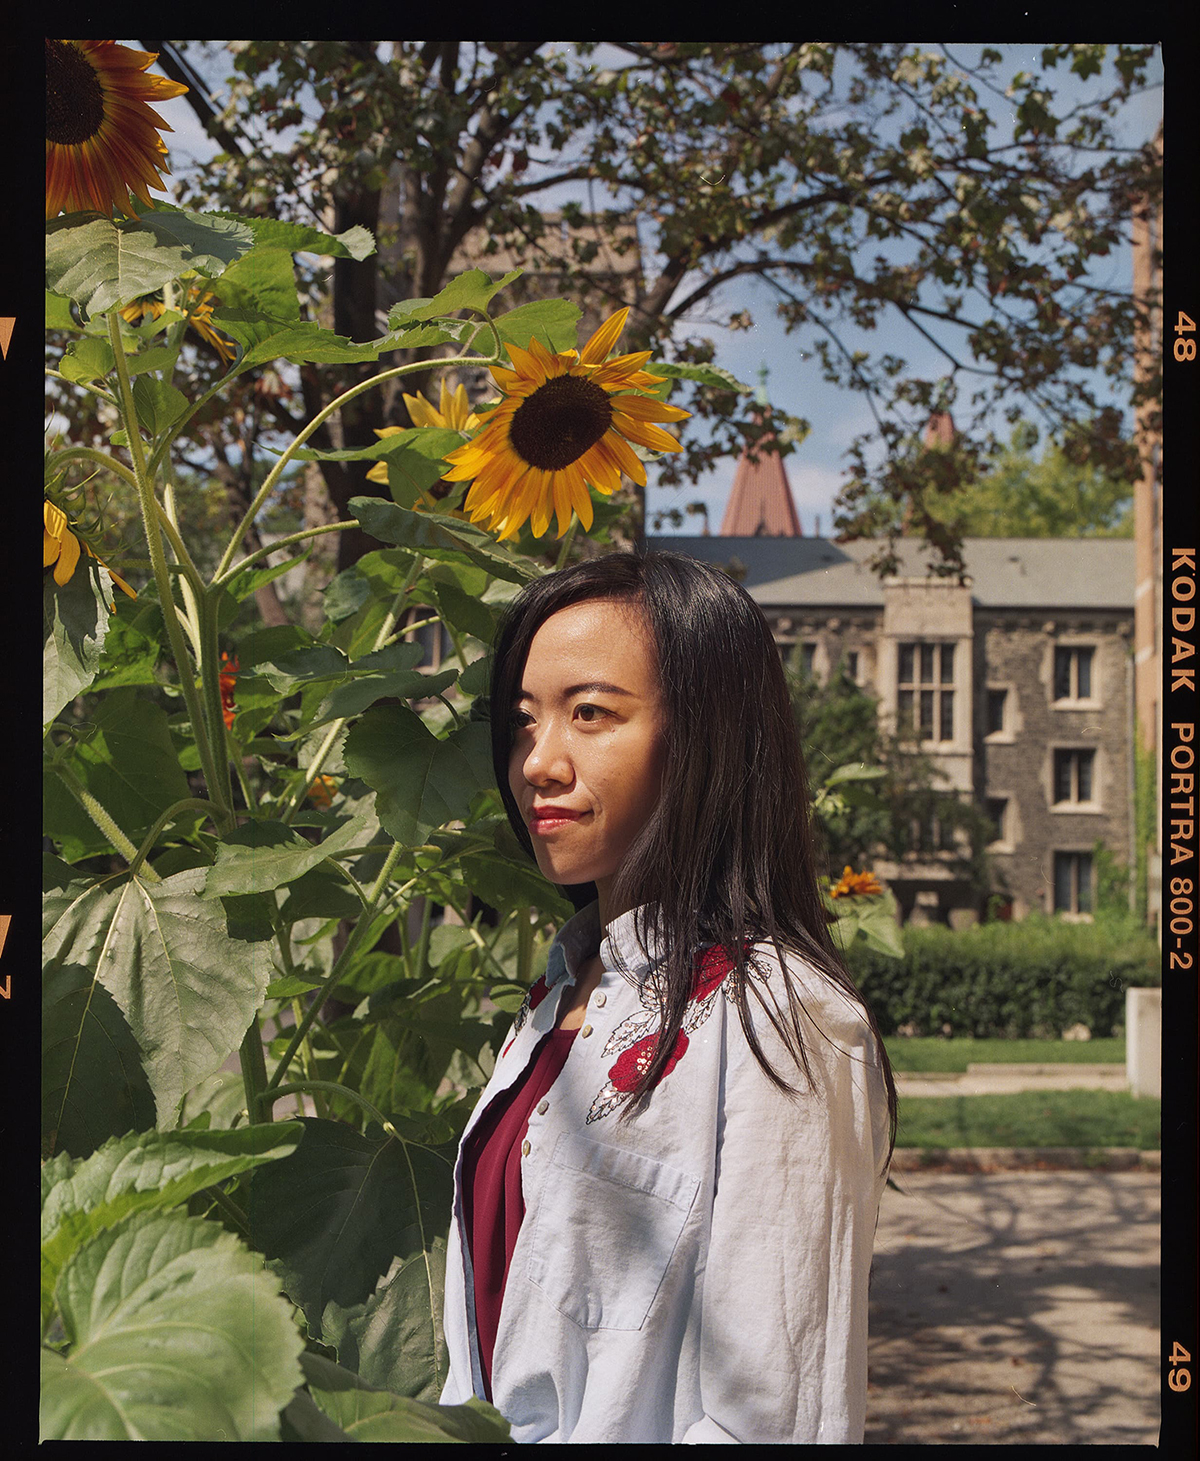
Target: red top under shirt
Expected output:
[492,1199]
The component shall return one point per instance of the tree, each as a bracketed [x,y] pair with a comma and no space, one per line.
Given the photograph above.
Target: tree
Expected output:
[881,792]
[852,179]
[1048,497]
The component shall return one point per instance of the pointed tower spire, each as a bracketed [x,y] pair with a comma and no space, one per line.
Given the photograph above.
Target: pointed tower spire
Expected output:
[760,502]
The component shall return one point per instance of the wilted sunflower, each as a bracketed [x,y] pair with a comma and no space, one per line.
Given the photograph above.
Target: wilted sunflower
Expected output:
[200,304]
[61,547]
[102,137]
[561,427]
[454,411]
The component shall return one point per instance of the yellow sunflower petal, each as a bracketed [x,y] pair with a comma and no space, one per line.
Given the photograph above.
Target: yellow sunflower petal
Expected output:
[67,559]
[525,364]
[646,408]
[51,548]
[619,368]
[378,473]
[562,502]
[603,340]
[420,411]
[644,433]
[600,470]
[625,457]
[582,502]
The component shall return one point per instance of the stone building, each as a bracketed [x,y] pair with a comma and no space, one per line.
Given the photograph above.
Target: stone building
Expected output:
[1020,682]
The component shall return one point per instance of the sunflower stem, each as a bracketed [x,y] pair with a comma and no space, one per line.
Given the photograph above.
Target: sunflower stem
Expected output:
[158,564]
[327,743]
[337,1089]
[568,539]
[187,804]
[103,820]
[319,420]
[330,981]
[338,527]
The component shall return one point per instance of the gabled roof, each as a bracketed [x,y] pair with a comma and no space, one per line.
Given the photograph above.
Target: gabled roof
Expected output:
[1042,573]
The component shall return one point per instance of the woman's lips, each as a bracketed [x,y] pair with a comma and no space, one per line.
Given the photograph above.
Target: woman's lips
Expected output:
[548,818]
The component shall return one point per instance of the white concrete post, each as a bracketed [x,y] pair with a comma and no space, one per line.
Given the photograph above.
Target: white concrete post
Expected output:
[1143,1041]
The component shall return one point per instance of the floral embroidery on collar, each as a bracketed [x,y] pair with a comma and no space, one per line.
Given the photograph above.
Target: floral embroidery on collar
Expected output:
[534,995]
[635,1040]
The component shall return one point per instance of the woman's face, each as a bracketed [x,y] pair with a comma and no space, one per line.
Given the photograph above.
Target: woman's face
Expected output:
[586,760]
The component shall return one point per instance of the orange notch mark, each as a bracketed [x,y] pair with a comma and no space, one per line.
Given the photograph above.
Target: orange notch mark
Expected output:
[6,328]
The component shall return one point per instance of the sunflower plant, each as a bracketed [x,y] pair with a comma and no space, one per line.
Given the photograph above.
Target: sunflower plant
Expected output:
[260,1041]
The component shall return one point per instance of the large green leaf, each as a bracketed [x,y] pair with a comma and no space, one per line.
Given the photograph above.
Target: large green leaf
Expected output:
[264,338]
[274,233]
[74,623]
[129,765]
[435,536]
[706,375]
[379,674]
[263,855]
[177,1333]
[139,1172]
[93,1084]
[421,782]
[352,1410]
[187,989]
[99,262]
[552,322]
[338,1214]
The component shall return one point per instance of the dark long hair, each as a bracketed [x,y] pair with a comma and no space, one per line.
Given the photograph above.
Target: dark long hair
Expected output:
[727,856]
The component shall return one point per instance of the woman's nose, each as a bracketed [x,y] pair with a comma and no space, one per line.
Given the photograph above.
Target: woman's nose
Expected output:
[547,760]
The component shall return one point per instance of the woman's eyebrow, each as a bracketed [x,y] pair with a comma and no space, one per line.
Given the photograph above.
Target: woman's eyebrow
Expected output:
[599,687]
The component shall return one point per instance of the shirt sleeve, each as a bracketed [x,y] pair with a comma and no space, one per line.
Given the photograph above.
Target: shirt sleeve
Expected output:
[798,1183]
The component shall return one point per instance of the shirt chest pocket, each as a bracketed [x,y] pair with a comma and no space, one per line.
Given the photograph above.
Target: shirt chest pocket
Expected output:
[608,1222]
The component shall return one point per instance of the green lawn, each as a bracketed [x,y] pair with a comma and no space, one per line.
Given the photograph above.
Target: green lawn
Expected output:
[1031,1119]
[921,1053]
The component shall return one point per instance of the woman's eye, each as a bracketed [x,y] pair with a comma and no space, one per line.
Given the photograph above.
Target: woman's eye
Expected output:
[519,720]
[589,714]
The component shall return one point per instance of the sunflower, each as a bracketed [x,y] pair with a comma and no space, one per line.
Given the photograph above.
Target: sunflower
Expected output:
[856,885]
[101,135]
[453,411]
[561,427]
[61,547]
[200,307]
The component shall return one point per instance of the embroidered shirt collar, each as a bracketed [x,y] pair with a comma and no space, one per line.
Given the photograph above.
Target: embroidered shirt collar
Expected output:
[621,952]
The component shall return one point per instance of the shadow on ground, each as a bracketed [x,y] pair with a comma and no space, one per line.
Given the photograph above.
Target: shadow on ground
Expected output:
[1016,1308]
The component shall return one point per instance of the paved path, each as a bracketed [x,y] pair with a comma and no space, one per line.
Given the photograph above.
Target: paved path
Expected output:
[1016,1308]
[988,1080]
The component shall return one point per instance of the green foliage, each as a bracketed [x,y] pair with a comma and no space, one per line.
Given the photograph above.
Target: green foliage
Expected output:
[1053,496]
[1006,980]
[275,846]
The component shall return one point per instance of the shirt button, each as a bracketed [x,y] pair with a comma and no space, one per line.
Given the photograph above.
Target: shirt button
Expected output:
[524,1148]
[586,1031]
[600,999]
[543,1107]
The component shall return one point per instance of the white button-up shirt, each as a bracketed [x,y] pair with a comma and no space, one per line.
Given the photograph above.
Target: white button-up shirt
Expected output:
[697,1273]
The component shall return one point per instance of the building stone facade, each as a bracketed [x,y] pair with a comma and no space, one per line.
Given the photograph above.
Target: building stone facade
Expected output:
[1019,682]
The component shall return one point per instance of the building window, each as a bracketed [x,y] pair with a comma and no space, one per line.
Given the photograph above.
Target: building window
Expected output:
[1072,673]
[925,690]
[997,812]
[1072,882]
[852,665]
[1074,775]
[997,712]
[808,652]
[933,833]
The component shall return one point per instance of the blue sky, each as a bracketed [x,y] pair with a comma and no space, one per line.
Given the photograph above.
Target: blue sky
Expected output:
[794,384]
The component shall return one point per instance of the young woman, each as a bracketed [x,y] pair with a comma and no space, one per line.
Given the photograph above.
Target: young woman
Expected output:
[666,1199]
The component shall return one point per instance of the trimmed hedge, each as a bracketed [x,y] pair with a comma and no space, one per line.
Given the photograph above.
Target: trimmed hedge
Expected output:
[1035,978]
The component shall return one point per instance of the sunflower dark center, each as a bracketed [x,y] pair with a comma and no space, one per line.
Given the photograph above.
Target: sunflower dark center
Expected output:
[74,96]
[555,425]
